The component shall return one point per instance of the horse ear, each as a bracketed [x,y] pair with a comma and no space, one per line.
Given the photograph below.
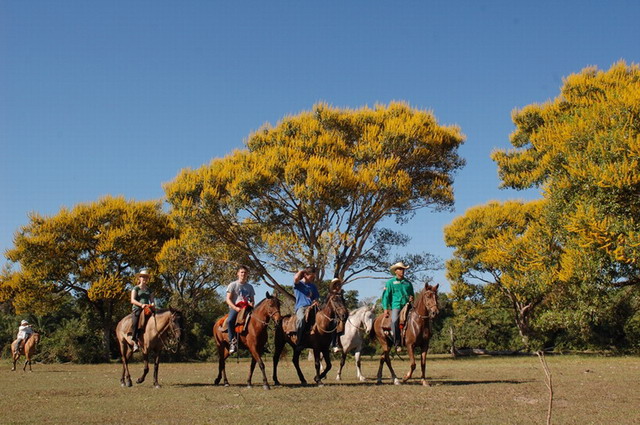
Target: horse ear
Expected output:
[268,295]
[435,288]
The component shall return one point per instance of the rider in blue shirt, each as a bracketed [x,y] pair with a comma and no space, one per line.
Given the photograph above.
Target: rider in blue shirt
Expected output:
[306,294]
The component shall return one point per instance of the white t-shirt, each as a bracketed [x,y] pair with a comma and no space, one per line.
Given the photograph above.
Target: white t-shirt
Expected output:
[241,292]
[24,331]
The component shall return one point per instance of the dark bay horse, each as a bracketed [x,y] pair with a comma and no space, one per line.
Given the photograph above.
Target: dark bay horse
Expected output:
[28,349]
[254,338]
[162,330]
[318,336]
[418,331]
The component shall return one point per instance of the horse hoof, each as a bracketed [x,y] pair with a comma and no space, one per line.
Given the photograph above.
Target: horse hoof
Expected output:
[266,387]
[129,384]
[362,379]
[226,384]
[378,382]
[139,381]
[425,383]
[338,378]
[249,386]
[157,386]
[396,381]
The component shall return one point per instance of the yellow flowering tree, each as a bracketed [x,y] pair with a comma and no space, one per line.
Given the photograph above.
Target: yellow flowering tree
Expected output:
[583,150]
[314,188]
[90,251]
[507,249]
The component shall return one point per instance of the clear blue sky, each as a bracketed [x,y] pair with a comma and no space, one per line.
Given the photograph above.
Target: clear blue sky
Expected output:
[117,97]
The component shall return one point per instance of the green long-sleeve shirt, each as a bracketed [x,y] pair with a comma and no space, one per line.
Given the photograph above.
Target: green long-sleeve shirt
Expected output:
[396,293]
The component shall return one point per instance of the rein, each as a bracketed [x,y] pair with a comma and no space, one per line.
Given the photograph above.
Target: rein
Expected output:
[173,338]
[337,322]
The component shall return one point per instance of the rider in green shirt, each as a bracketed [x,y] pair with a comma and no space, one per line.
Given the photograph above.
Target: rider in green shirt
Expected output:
[398,291]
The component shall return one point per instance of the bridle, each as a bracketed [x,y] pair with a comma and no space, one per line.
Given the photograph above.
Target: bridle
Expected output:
[174,336]
[336,320]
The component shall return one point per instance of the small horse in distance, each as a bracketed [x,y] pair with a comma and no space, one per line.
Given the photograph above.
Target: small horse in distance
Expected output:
[254,338]
[162,330]
[418,331]
[318,336]
[28,349]
[359,323]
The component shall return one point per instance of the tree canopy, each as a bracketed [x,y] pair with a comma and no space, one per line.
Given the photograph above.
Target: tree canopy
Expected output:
[583,149]
[508,247]
[91,251]
[315,188]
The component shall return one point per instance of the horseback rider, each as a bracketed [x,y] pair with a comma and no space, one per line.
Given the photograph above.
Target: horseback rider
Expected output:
[24,332]
[240,294]
[141,297]
[398,292]
[335,339]
[307,295]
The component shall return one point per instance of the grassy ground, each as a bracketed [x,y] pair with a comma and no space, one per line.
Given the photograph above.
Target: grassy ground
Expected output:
[484,390]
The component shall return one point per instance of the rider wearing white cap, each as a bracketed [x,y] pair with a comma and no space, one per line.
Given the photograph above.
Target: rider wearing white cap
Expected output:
[24,332]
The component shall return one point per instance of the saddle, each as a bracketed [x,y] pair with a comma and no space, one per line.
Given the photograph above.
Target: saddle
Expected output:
[242,321]
[402,320]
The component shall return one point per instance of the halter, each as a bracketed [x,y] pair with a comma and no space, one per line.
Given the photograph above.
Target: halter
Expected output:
[331,302]
[362,328]
[173,337]
[269,316]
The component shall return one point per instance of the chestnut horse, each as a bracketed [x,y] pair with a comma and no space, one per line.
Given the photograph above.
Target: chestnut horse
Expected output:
[418,331]
[318,336]
[28,349]
[254,338]
[162,330]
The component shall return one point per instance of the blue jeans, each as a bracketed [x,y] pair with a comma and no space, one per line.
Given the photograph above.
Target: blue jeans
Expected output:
[395,315]
[231,323]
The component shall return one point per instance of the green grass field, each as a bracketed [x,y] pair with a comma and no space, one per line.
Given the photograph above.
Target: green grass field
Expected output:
[482,390]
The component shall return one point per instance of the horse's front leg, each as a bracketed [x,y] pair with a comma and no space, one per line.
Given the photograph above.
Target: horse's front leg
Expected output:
[256,358]
[223,353]
[327,361]
[278,346]
[359,374]
[343,359]
[156,366]
[423,365]
[15,360]
[387,360]
[296,362]
[145,370]
[24,368]
[412,362]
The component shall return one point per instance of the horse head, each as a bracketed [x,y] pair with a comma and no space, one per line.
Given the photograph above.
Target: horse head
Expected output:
[368,319]
[335,301]
[427,304]
[36,338]
[176,324]
[273,307]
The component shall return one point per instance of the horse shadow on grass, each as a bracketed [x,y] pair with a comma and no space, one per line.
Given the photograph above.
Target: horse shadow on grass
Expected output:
[372,383]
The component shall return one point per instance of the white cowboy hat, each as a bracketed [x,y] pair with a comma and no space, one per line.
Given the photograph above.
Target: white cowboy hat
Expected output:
[24,322]
[336,280]
[399,265]
[143,272]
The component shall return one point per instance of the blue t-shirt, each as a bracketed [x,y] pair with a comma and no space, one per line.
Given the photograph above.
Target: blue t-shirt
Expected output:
[305,293]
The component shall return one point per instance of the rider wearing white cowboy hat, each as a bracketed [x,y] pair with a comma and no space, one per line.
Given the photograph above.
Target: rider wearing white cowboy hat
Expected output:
[398,291]
[24,332]
[141,297]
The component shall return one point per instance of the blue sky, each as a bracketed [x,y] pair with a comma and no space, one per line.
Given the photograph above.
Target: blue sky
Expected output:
[117,97]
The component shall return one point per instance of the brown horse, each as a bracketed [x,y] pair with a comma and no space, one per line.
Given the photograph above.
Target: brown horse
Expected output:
[253,337]
[318,336]
[162,330]
[418,331]
[28,349]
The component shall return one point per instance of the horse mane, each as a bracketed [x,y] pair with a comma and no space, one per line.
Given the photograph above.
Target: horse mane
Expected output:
[357,310]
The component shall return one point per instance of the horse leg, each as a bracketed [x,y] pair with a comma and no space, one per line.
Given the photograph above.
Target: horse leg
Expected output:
[24,368]
[412,362]
[423,365]
[327,361]
[16,356]
[343,359]
[359,374]
[223,353]
[296,363]
[125,380]
[145,357]
[256,358]
[156,366]
[387,360]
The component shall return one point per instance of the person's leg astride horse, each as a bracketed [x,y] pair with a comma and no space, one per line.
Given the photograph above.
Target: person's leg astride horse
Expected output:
[395,338]
[301,325]
[134,322]
[231,328]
